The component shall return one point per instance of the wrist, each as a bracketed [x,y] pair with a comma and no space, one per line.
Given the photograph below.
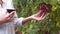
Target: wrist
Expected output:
[26,19]
[30,18]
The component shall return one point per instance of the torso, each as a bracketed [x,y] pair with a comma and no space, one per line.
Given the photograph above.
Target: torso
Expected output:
[6,28]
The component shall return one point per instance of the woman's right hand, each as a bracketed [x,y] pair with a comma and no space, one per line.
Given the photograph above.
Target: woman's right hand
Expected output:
[7,18]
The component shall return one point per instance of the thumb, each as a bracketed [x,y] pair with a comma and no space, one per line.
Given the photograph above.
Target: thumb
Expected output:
[9,15]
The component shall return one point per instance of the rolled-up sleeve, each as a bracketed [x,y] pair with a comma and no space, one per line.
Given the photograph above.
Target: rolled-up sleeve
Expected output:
[18,21]
[9,5]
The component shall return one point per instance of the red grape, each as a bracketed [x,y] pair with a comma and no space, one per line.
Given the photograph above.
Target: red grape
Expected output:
[44,8]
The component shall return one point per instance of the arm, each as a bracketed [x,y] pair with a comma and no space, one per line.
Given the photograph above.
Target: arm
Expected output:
[34,17]
[20,21]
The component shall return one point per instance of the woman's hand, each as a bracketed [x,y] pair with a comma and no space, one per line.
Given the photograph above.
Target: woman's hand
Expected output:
[38,17]
[7,18]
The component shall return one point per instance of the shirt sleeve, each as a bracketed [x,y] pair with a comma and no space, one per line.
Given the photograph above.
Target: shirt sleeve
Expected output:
[17,21]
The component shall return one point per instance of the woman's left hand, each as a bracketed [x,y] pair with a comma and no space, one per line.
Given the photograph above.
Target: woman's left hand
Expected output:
[38,17]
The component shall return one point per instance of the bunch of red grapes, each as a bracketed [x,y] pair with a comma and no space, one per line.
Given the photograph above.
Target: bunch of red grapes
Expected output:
[44,8]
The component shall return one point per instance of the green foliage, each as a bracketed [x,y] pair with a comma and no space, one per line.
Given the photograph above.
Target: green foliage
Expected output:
[51,23]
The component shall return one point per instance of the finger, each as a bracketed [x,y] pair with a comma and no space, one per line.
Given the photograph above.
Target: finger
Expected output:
[10,19]
[45,16]
[11,14]
[41,18]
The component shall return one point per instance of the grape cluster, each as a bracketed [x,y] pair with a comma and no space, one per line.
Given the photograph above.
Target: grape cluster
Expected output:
[44,8]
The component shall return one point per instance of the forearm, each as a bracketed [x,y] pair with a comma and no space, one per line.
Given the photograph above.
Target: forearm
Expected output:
[26,19]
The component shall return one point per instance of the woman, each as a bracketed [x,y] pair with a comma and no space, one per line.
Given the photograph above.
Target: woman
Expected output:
[8,21]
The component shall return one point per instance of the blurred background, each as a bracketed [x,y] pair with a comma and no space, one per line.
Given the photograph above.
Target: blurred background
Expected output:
[50,25]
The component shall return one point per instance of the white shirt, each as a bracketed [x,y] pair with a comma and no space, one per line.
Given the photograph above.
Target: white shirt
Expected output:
[8,28]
